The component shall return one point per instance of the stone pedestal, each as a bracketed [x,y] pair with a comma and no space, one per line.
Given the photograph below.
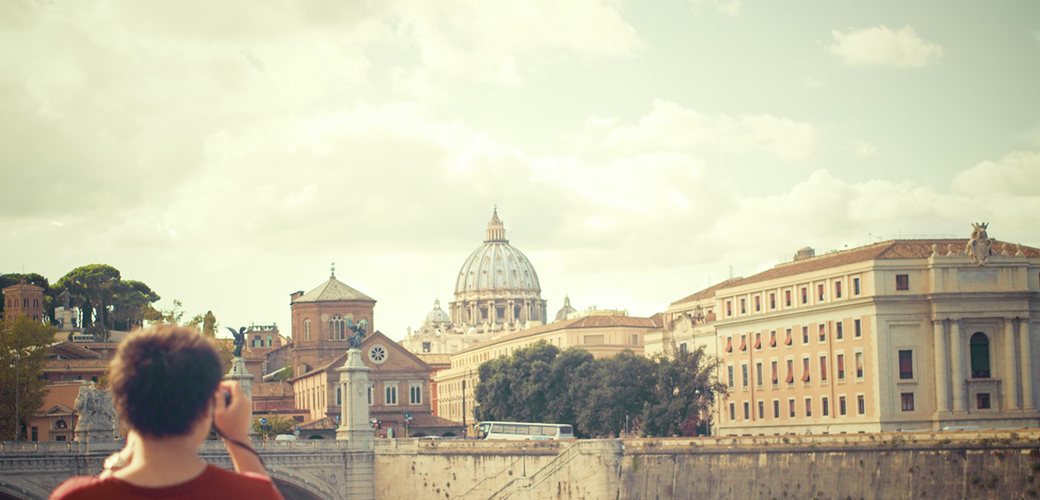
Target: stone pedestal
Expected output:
[97,422]
[245,379]
[354,426]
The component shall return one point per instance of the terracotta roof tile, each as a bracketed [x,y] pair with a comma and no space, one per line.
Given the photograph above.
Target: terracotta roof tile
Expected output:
[425,420]
[272,389]
[332,290]
[325,423]
[62,364]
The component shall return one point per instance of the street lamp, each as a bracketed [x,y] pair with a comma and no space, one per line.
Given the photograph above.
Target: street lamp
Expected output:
[17,391]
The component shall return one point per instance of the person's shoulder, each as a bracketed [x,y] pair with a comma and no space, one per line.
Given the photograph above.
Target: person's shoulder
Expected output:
[245,482]
[76,487]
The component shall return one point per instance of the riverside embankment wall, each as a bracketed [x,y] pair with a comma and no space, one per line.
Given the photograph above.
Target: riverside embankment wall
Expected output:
[940,465]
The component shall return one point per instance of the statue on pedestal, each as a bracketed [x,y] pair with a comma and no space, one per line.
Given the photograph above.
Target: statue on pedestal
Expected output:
[97,415]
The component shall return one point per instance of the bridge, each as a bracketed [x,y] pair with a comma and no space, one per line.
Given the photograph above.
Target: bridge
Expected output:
[305,470]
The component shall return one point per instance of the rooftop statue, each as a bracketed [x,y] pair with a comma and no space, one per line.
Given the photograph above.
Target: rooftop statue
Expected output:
[979,247]
[359,330]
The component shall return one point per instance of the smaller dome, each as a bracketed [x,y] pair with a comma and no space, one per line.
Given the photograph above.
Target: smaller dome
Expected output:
[472,331]
[565,310]
[437,315]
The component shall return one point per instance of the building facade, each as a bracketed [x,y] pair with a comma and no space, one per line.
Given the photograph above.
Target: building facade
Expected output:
[321,320]
[898,335]
[23,299]
[496,291]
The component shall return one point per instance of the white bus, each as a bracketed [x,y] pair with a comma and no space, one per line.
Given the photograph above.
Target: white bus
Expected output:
[523,430]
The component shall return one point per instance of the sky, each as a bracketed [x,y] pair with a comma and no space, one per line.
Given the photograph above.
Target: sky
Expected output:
[226,153]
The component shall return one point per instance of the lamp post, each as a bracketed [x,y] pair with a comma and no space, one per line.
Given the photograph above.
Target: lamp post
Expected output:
[17,392]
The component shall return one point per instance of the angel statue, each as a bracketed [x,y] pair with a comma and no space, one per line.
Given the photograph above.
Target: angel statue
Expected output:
[240,340]
[979,247]
[359,330]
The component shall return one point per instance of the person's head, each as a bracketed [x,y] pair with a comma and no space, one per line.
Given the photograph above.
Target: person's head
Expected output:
[163,380]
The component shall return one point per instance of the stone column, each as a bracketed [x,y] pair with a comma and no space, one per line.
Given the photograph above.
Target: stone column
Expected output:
[942,383]
[354,426]
[1025,336]
[245,379]
[1010,374]
[957,365]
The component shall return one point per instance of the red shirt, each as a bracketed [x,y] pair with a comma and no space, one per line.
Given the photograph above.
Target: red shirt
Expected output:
[214,483]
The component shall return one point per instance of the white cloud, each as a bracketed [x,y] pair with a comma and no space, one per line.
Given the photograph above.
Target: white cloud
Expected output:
[670,126]
[814,82]
[728,7]
[882,46]
[1015,175]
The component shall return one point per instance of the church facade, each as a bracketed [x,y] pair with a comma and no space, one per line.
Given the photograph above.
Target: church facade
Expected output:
[321,319]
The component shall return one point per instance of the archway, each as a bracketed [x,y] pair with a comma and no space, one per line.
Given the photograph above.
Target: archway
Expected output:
[293,492]
[979,345]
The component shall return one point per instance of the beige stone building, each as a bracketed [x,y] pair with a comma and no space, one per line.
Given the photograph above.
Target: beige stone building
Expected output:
[898,335]
[603,333]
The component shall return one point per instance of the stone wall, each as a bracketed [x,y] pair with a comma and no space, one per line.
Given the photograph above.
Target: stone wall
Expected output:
[940,465]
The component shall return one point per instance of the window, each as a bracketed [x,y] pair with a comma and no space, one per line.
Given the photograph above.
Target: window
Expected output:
[808,407]
[729,308]
[776,374]
[337,328]
[307,329]
[425,347]
[819,292]
[772,300]
[841,366]
[787,298]
[772,339]
[855,286]
[339,395]
[857,329]
[415,394]
[682,348]
[825,406]
[789,341]
[902,282]
[758,341]
[790,406]
[805,295]
[981,401]
[805,335]
[839,330]
[823,368]
[761,410]
[861,404]
[747,410]
[729,344]
[841,406]
[979,355]
[743,343]
[790,371]
[906,364]
[744,375]
[370,396]
[823,332]
[732,411]
[805,369]
[758,303]
[859,365]
[906,401]
[776,408]
[730,370]
[743,305]
[758,374]
[837,289]
[391,395]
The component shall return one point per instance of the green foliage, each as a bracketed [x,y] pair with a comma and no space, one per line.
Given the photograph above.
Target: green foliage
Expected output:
[658,397]
[24,347]
[276,424]
[284,375]
[107,301]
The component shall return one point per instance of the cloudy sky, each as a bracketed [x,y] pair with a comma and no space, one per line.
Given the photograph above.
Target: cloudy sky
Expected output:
[226,152]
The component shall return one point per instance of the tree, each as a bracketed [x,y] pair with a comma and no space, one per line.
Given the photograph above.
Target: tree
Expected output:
[24,348]
[131,304]
[516,387]
[276,424]
[617,391]
[685,387]
[94,286]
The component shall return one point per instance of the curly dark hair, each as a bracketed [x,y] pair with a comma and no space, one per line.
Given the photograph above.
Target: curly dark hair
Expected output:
[162,379]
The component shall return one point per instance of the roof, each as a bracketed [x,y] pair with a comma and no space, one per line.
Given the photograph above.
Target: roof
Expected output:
[594,321]
[434,359]
[707,293]
[272,389]
[75,364]
[333,290]
[885,250]
[63,394]
[425,420]
[339,360]
[324,423]
[72,351]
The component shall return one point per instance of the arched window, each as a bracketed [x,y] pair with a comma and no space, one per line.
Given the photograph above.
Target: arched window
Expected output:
[337,328]
[339,395]
[307,329]
[61,424]
[980,356]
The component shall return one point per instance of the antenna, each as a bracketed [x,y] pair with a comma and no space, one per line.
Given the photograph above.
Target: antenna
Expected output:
[731,271]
